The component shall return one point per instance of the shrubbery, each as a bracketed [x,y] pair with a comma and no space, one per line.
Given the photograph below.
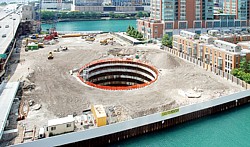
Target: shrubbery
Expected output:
[167,41]
[132,32]
[243,72]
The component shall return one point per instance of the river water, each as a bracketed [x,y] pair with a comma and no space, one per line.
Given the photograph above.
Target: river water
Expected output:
[97,25]
[227,129]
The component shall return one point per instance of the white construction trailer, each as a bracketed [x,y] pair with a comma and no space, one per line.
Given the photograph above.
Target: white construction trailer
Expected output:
[61,125]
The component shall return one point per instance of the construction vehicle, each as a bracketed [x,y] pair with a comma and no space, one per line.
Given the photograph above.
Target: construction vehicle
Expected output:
[52,31]
[106,41]
[40,45]
[50,56]
[71,35]
[52,35]
[29,41]
[84,36]
[90,38]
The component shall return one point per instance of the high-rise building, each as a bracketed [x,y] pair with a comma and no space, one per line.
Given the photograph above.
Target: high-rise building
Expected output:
[240,8]
[180,14]
[193,15]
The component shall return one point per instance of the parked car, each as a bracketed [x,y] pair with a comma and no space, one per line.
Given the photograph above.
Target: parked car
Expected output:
[7,26]
[4,35]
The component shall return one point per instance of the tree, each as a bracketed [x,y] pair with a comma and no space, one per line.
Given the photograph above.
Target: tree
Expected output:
[243,64]
[139,14]
[111,14]
[128,29]
[166,41]
[3,4]
[139,35]
[48,15]
[169,42]
[248,67]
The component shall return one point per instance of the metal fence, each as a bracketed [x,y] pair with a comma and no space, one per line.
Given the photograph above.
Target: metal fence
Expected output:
[210,68]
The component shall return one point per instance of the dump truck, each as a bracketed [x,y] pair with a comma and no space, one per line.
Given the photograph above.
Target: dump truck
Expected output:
[50,56]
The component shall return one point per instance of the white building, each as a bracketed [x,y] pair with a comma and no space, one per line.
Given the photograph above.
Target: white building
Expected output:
[61,125]
[28,12]
[56,4]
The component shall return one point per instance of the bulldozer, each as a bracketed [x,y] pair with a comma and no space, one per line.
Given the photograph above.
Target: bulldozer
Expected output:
[50,56]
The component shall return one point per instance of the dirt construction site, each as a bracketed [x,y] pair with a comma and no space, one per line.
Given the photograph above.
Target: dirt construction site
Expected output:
[53,84]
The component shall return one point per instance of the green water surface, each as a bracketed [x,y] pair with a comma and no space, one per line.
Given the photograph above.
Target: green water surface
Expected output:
[97,25]
[227,129]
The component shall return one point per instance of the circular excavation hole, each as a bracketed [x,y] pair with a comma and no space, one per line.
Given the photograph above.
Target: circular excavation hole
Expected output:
[118,74]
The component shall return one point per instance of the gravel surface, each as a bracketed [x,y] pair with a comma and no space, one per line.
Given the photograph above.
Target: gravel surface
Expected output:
[62,94]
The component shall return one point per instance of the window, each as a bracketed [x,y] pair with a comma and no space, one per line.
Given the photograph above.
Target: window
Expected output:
[53,128]
[68,125]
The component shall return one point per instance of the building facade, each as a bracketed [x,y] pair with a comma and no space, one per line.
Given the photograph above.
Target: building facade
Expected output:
[192,15]
[56,4]
[107,9]
[126,2]
[88,2]
[238,7]
[209,49]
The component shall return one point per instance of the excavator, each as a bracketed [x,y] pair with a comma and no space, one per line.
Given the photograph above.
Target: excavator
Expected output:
[50,56]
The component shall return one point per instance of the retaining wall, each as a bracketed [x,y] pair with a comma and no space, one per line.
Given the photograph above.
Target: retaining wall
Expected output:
[127,129]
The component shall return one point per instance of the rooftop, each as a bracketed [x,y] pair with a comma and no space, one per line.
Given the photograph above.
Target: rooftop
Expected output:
[100,112]
[8,93]
[58,121]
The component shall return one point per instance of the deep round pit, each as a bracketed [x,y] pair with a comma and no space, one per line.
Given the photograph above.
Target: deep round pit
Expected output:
[118,74]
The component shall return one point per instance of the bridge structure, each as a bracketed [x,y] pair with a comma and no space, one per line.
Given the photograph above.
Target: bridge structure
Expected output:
[10,18]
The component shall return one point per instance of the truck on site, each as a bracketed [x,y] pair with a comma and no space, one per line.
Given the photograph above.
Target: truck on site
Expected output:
[50,56]
[90,38]
[106,41]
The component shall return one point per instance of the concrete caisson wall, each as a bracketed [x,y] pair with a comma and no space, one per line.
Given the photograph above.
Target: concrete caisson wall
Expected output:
[118,74]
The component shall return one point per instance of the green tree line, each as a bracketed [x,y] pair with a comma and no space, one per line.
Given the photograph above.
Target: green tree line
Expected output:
[132,32]
[243,72]
[3,3]
[50,15]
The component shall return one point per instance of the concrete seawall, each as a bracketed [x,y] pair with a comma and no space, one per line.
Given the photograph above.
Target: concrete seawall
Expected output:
[138,126]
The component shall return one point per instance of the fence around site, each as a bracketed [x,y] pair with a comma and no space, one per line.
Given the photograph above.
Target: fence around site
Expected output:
[210,68]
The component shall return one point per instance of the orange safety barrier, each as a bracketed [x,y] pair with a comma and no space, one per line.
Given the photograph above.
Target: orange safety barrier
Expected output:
[117,87]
